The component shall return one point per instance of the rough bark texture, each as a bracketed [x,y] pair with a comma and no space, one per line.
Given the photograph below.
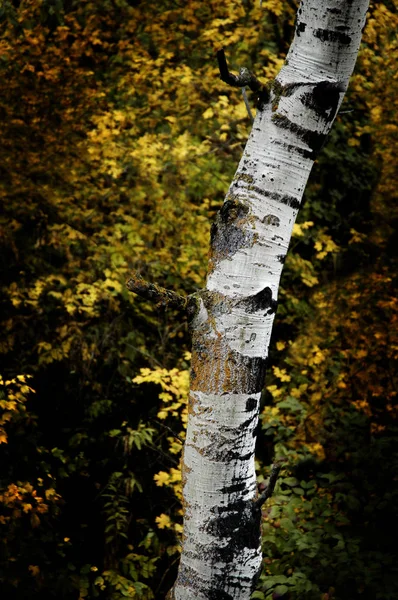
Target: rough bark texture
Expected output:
[221,557]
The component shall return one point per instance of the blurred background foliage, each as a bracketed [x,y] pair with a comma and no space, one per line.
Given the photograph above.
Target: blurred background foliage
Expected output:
[118,142]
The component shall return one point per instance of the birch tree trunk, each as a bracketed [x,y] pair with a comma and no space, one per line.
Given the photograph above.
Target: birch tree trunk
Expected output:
[231,328]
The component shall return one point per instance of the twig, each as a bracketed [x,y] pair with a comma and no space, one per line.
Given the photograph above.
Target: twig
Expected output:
[245,77]
[269,490]
[169,429]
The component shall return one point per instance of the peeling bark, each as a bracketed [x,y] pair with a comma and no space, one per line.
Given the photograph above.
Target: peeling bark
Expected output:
[231,328]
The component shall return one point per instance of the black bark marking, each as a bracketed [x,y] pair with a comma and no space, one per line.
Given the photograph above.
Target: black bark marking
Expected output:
[326,95]
[271,220]
[302,151]
[226,445]
[313,139]
[226,455]
[282,198]
[189,578]
[251,404]
[263,98]
[324,99]
[328,35]
[235,487]
[240,516]
[243,426]
[262,301]
[301,28]
[217,594]
[239,522]
[245,457]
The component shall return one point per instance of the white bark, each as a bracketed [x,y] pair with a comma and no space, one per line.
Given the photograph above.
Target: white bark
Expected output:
[221,555]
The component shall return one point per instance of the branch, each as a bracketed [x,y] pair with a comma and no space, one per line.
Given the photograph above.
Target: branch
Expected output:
[155,293]
[161,296]
[269,490]
[245,77]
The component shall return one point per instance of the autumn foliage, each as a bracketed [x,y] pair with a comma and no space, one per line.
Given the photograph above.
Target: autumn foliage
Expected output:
[118,141]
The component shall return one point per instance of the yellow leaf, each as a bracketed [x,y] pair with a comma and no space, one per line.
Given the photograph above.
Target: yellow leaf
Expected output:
[273,390]
[163,521]
[281,374]
[113,285]
[161,478]
[208,114]
[317,449]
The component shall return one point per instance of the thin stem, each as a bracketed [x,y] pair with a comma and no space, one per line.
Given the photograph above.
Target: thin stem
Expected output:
[269,490]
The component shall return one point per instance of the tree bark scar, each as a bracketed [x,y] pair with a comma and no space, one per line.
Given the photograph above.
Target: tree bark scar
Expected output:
[232,371]
[233,210]
[228,233]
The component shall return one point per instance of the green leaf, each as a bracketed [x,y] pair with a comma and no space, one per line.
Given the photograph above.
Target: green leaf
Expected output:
[281,589]
[291,481]
[287,524]
[291,404]
[114,432]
